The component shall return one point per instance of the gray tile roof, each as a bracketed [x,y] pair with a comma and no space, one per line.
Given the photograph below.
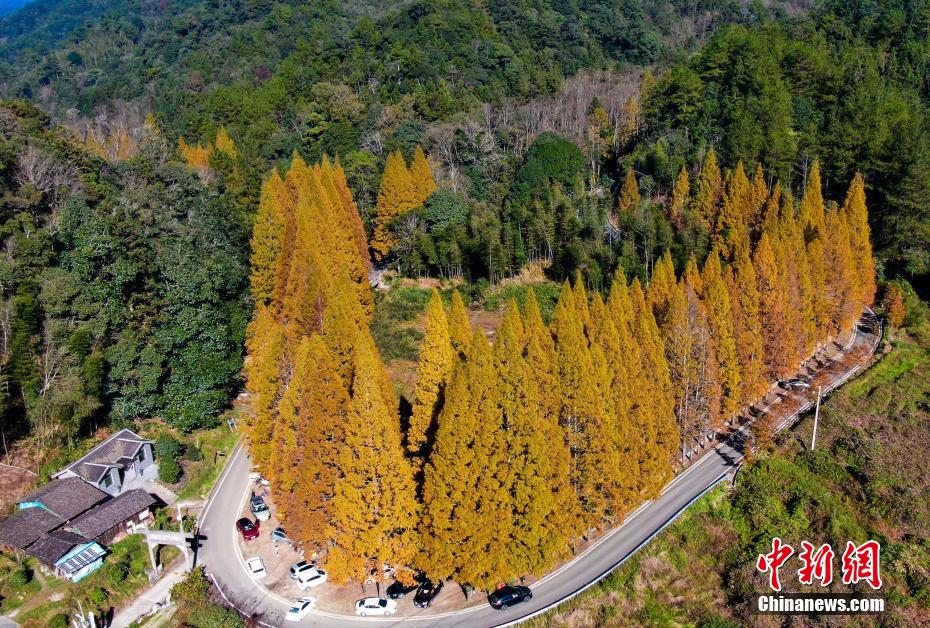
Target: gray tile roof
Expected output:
[114,512]
[123,444]
[26,526]
[54,545]
[67,498]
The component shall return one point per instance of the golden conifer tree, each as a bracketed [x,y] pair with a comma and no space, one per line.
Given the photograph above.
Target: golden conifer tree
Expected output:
[857,218]
[841,273]
[629,194]
[434,370]
[460,331]
[314,409]
[581,413]
[266,239]
[266,347]
[893,303]
[773,310]
[395,197]
[661,287]
[465,486]
[716,298]
[655,412]
[421,177]
[707,191]
[747,326]
[680,195]
[225,144]
[374,506]
[811,210]
[731,234]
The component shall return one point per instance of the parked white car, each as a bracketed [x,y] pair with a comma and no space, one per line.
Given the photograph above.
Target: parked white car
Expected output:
[375,606]
[300,608]
[309,578]
[256,568]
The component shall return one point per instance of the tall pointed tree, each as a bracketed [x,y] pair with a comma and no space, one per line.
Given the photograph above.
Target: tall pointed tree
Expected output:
[434,371]
[680,195]
[395,197]
[629,194]
[747,326]
[421,176]
[707,190]
[373,507]
[716,298]
[773,310]
[857,218]
[460,331]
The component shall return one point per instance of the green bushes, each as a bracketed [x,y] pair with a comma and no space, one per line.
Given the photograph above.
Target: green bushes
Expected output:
[169,470]
[59,621]
[21,577]
[167,446]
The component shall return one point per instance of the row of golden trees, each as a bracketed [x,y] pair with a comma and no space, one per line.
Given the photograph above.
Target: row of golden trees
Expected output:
[402,189]
[516,449]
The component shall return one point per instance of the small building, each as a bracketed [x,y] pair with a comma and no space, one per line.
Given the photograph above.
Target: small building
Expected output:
[111,521]
[122,462]
[71,556]
[66,498]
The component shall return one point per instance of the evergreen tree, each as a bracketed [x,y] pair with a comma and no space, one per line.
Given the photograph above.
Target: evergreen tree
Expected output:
[731,235]
[661,286]
[434,370]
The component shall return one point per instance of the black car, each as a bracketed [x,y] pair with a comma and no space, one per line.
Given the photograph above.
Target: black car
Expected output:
[398,589]
[508,596]
[426,594]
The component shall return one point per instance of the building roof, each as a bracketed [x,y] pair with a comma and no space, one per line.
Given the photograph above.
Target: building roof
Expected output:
[123,445]
[54,545]
[26,526]
[96,522]
[66,498]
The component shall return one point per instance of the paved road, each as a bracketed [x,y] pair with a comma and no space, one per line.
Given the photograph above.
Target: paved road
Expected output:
[220,551]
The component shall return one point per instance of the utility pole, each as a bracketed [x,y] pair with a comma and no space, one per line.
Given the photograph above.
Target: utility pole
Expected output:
[816,416]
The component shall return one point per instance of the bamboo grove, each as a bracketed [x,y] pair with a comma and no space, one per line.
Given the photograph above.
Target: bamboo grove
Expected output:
[514,450]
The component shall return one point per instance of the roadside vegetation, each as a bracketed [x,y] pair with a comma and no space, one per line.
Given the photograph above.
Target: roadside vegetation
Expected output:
[40,600]
[867,479]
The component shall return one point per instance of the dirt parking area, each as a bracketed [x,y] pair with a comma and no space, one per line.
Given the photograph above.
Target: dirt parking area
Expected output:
[278,558]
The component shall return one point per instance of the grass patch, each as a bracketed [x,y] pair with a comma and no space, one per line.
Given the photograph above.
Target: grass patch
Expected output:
[215,446]
[396,326]
[547,294]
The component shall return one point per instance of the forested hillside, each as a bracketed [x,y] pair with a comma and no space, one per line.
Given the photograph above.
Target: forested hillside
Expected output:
[123,287]
[848,85]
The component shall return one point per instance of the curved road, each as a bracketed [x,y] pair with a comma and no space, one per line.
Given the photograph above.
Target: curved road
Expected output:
[221,555]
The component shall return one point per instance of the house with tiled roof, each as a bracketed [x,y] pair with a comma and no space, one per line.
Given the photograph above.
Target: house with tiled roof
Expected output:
[92,502]
[122,462]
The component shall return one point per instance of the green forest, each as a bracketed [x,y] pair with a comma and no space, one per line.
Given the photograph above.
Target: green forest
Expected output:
[574,137]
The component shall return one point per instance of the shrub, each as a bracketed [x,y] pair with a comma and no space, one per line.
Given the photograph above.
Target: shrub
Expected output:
[59,621]
[192,453]
[117,573]
[167,447]
[21,577]
[97,595]
[169,470]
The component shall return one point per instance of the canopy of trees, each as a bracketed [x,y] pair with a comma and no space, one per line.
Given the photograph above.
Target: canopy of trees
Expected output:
[123,291]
